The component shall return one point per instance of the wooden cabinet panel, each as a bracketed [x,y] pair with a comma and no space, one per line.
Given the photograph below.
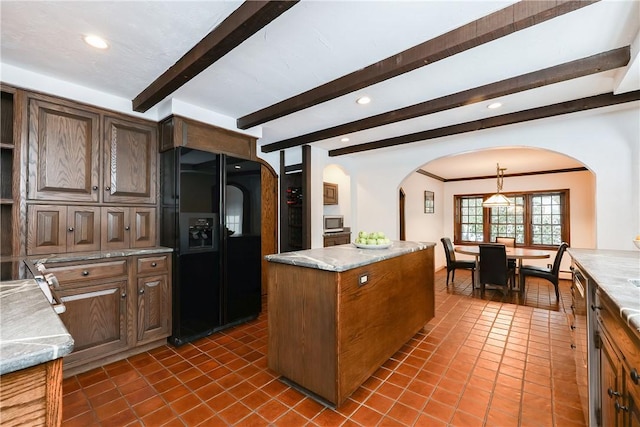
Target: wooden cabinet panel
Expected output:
[144,227]
[130,161]
[73,274]
[64,145]
[96,318]
[83,228]
[153,265]
[610,385]
[56,228]
[32,396]
[153,307]
[124,228]
[338,239]
[330,193]
[46,229]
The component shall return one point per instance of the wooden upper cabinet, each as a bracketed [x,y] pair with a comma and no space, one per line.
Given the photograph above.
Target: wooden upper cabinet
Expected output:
[64,150]
[130,161]
[57,228]
[124,227]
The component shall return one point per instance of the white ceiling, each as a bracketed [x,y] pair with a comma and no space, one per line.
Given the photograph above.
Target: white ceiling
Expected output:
[313,43]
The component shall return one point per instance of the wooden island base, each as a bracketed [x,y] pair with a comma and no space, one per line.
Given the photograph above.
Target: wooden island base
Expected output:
[330,331]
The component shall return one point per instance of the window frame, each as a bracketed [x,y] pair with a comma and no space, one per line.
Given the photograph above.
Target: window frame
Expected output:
[528,212]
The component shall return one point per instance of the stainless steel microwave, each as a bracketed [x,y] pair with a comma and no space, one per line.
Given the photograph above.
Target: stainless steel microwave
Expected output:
[333,223]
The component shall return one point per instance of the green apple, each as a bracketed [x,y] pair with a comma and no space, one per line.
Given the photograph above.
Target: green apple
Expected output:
[363,234]
[381,235]
[371,241]
[382,241]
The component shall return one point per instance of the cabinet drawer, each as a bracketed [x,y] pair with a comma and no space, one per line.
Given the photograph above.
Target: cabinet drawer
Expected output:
[95,271]
[157,264]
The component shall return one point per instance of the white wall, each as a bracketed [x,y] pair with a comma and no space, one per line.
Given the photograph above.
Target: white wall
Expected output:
[606,140]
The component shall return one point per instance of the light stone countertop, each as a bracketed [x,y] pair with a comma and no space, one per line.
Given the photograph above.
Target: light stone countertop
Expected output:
[614,272]
[346,257]
[86,256]
[31,332]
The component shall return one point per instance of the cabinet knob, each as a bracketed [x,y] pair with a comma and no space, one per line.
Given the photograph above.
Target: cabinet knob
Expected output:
[108,188]
[141,291]
[94,188]
[595,307]
[123,295]
[153,264]
[620,407]
[612,393]
[573,327]
[127,228]
[634,375]
[85,273]
[573,346]
[70,228]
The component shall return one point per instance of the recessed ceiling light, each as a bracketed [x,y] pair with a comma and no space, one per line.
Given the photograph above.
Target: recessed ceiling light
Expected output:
[345,139]
[494,105]
[95,41]
[363,100]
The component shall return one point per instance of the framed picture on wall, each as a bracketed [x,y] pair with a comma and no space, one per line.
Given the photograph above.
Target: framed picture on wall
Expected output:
[428,202]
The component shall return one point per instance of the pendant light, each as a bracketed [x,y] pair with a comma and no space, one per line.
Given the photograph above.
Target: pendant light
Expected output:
[498,199]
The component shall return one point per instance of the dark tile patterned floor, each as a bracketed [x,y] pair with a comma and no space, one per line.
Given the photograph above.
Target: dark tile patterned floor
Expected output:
[501,360]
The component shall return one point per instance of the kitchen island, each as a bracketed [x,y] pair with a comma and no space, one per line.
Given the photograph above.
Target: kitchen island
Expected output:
[33,341]
[337,314]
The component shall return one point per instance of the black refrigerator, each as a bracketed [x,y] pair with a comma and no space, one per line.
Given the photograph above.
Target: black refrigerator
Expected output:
[210,216]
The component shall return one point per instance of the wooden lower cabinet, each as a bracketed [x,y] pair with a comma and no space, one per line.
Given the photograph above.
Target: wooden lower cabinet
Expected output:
[619,358]
[96,318]
[114,307]
[154,304]
[32,396]
[336,239]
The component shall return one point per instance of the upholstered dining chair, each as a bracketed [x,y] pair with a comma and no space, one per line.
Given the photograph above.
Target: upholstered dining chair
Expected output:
[509,242]
[453,264]
[494,267]
[551,274]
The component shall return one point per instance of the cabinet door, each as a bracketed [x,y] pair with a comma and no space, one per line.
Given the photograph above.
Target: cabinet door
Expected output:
[330,193]
[130,161]
[64,149]
[96,318]
[632,404]
[46,225]
[83,228]
[153,307]
[116,228]
[143,227]
[610,385]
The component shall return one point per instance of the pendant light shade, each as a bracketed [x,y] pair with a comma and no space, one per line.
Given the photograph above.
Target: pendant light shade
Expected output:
[498,199]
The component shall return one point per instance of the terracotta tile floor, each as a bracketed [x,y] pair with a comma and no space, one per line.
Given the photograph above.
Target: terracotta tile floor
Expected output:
[497,361]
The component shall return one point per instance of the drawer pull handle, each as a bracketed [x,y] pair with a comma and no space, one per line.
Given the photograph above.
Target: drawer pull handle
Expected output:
[153,264]
[612,393]
[634,375]
[85,273]
[595,307]
[619,407]
[70,228]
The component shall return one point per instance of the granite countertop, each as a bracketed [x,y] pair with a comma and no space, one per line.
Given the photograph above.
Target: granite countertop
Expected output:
[30,331]
[345,257]
[615,272]
[85,256]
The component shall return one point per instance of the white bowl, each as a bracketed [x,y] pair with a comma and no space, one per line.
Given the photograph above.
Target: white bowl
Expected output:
[637,243]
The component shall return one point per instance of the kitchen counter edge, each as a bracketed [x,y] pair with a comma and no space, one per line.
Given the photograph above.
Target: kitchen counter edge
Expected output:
[345,257]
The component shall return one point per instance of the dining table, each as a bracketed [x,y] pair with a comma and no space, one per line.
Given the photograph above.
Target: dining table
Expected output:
[512,253]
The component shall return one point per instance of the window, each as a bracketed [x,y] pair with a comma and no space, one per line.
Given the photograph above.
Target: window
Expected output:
[538,219]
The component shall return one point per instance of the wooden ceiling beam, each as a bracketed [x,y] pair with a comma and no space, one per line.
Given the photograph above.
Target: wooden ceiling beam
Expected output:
[574,106]
[582,67]
[244,22]
[506,21]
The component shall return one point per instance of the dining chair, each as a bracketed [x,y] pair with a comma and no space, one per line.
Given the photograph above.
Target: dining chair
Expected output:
[494,267]
[552,274]
[509,242]
[453,264]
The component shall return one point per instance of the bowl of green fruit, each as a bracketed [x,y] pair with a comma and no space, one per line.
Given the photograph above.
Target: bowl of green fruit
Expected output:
[375,240]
